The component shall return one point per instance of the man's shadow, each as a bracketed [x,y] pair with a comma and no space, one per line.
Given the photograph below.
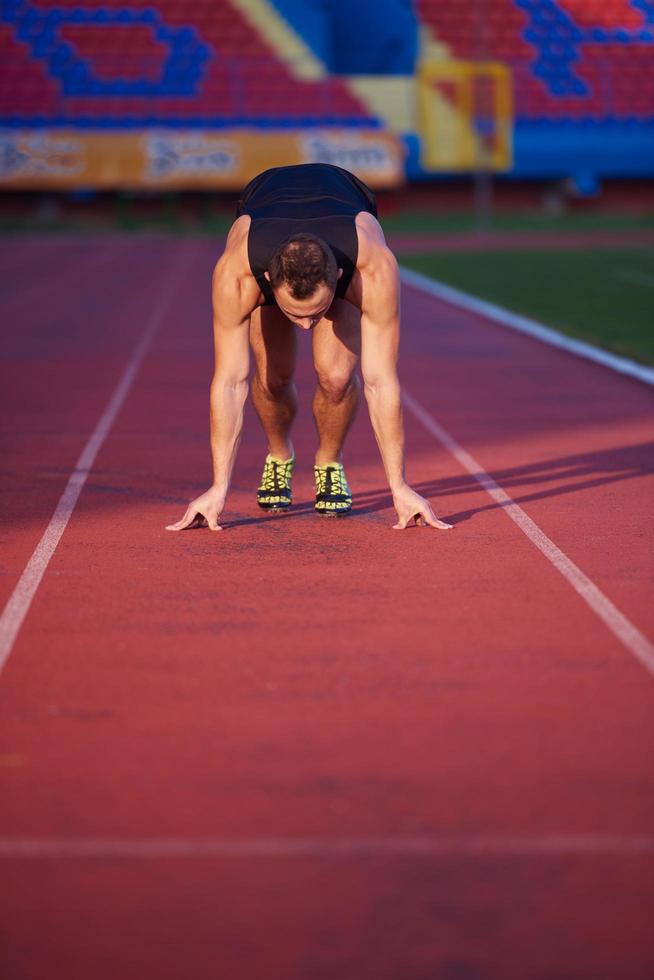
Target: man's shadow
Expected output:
[581,471]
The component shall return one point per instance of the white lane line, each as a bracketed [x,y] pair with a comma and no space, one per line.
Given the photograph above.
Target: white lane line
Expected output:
[527,326]
[633,276]
[546,845]
[20,600]
[617,622]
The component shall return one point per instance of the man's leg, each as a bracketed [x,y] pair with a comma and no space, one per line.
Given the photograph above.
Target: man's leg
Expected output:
[336,349]
[273,341]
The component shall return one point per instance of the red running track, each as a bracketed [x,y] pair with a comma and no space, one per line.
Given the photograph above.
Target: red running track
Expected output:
[312,749]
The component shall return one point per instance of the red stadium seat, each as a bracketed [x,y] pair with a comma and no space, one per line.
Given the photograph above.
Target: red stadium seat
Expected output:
[244,76]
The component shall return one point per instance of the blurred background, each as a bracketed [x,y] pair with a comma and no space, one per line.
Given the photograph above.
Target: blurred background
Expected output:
[482,117]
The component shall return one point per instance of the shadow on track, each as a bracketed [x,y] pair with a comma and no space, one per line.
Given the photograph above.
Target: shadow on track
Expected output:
[576,473]
[108,489]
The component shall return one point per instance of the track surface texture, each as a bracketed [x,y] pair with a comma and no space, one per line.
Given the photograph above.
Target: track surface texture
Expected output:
[304,749]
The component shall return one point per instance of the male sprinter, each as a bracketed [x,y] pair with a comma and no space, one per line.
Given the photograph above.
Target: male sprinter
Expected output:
[306,249]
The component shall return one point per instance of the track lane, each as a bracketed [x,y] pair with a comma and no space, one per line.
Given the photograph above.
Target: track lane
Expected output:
[440,698]
[33,266]
[572,443]
[60,365]
[333,920]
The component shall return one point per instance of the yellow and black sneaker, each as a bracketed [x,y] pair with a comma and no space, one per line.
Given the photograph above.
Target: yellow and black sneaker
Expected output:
[275,492]
[333,495]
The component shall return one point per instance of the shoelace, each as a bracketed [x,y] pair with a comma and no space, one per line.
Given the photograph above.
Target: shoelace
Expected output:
[331,480]
[272,479]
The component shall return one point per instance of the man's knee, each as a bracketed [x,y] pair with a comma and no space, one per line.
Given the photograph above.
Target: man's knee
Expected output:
[336,385]
[276,387]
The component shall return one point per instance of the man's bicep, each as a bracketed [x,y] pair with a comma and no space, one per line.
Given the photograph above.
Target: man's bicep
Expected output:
[231,324]
[380,319]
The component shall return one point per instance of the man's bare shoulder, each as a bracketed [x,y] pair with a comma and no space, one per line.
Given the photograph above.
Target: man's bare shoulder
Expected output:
[234,288]
[374,256]
[376,278]
[235,254]
[368,226]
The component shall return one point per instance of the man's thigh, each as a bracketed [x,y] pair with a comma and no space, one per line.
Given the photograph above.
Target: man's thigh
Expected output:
[273,339]
[337,340]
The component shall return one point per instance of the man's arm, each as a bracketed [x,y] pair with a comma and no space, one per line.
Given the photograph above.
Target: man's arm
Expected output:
[229,388]
[380,334]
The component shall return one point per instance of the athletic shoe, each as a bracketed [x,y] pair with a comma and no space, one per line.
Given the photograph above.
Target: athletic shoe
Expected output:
[333,495]
[275,492]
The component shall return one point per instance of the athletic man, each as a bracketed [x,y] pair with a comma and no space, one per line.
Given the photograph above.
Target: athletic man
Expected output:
[306,249]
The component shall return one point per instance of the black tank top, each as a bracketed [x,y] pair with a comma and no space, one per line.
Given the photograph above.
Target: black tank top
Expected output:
[310,197]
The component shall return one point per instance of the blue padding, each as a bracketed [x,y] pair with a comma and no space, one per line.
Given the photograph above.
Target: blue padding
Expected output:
[586,153]
[310,19]
[357,37]
[603,149]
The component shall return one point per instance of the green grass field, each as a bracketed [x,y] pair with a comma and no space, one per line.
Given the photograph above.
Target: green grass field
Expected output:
[603,296]
[410,222]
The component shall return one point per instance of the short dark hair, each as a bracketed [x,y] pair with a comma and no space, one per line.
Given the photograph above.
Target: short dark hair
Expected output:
[302,263]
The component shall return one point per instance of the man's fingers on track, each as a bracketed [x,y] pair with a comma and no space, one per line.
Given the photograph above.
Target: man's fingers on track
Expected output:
[423,519]
[179,526]
[197,520]
[189,518]
[431,520]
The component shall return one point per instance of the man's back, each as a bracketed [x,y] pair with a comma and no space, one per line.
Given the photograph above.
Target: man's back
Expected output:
[317,198]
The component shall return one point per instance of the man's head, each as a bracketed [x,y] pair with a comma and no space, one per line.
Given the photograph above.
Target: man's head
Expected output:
[303,275]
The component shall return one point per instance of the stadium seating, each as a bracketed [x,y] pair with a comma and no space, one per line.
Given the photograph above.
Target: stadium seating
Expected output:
[582,69]
[572,59]
[190,62]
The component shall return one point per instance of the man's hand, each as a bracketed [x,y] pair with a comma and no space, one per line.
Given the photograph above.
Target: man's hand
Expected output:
[410,504]
[202,512]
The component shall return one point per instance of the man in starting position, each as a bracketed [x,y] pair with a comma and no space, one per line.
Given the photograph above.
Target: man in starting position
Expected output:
[306,249]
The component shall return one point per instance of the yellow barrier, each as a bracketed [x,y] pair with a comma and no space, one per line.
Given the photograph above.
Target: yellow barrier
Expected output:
[457,100]
[188,159]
